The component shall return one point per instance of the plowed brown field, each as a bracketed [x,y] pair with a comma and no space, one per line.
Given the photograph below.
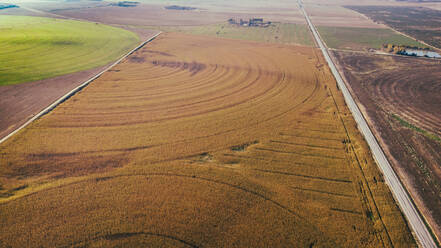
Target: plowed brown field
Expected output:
[394,88]
[199,142]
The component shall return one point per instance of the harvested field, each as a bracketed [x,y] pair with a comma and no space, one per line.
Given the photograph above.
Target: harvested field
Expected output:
[145,15]
[363,38]
[279,6]
[20,102]
[421,23]
[201,142]
[337,16]
[285,33]
[401,97]
[372,3]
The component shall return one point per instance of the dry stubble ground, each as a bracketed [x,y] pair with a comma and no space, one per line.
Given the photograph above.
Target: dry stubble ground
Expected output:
[200,142]
[401,97]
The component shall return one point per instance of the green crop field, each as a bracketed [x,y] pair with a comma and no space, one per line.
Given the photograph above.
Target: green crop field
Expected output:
[362,38]
[34,48]
[276,33]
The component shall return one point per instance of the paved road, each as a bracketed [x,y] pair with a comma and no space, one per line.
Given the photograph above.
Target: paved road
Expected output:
[416,223]
[74,91]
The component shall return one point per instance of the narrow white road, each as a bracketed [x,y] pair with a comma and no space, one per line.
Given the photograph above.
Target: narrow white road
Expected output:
[76,90]
[416,222]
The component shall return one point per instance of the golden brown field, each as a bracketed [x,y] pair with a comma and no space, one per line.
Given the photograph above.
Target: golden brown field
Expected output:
[199,142]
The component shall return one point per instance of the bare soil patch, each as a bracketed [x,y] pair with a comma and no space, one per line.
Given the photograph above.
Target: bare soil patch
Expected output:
[338,16]
[418,22]
[401,97]
[19,103]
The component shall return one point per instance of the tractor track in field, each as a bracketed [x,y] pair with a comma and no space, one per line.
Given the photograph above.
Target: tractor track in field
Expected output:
[416,222]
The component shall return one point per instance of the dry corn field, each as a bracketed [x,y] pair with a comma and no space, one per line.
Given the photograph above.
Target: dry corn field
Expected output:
[199,142]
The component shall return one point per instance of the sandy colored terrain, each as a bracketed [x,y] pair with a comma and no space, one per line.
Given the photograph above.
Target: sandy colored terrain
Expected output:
[157,15]
[333,13]
[338,16]
[150,151]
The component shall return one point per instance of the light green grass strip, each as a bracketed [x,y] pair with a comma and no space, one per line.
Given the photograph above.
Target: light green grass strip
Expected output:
[362,38]
[417,129]
[34,48]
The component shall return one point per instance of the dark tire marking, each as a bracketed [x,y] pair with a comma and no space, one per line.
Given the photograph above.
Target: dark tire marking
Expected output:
[324,192]
[346,211]
[308,145]
[306,176]
[298,153]
[116,236]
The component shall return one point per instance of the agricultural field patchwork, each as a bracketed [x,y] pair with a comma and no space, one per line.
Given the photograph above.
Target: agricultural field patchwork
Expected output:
[34,48]
[227,5]
[401,98]
[363,38]
[419,22]
[285,33]
[196,141]
[329,13]
[151,13]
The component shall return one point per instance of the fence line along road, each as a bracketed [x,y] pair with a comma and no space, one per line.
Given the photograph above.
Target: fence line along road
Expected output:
[76,90]
[417,224]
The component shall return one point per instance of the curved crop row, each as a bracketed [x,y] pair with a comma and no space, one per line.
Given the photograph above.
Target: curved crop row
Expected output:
[34,48]
[196,141]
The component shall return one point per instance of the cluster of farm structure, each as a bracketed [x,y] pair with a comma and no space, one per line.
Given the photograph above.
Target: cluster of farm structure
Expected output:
[216,133]
[208,123]
[252,22]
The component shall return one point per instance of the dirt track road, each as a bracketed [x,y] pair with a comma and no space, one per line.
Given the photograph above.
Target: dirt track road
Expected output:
[416,222]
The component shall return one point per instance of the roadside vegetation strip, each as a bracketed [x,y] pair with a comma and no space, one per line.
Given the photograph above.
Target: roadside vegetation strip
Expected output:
[74,91]
[35,48]
[418,225]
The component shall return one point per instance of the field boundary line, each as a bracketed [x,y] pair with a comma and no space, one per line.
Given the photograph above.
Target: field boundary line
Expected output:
[76,90]
[416,221]
[396,31]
